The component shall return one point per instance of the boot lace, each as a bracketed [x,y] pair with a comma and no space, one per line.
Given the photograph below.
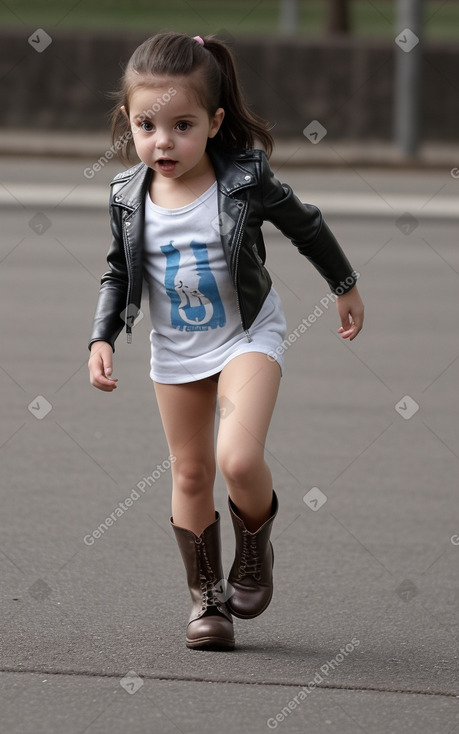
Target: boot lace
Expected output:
[207,578]
[250,563]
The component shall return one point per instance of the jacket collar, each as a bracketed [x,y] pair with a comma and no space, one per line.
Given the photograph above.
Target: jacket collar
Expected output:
[130,187]
[231,174]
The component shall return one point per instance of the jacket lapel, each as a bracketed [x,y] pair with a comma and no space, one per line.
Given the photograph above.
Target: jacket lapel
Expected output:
[232,177]
[129,188]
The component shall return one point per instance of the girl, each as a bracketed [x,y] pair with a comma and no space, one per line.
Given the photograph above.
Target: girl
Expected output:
[187,219]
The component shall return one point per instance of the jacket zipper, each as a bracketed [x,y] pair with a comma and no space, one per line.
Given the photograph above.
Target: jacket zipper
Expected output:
[237,248]
[128,296]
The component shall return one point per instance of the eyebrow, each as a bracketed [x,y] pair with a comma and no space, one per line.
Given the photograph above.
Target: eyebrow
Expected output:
[146,115]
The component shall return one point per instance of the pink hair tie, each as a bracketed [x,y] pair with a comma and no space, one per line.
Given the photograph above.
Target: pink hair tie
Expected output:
[198,39]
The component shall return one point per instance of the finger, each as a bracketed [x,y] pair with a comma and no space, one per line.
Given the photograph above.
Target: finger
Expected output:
[346,324]
[99,380]
[357,330]
[108,388]
[348,332]
[109,382]
[358,323]
[108,367]
[351,332]
[102,383]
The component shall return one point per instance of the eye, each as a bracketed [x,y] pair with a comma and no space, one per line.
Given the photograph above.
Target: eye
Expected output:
[146,126]
[183,126]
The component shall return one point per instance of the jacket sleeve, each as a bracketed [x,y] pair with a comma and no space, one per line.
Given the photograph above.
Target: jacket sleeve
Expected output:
[108,322]
[304,225]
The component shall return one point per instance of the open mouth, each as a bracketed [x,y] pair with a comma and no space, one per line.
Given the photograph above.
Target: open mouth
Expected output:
[166,164]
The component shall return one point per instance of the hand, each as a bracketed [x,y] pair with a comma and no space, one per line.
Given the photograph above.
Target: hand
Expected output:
[101,366]
[350,310]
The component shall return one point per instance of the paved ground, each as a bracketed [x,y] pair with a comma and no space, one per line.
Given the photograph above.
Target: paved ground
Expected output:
[367,590]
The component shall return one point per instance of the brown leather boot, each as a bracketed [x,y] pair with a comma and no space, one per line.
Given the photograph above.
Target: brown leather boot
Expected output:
[210,624]
[251,575]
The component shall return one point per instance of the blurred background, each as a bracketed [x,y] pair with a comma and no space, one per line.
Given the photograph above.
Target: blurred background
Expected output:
[346,63]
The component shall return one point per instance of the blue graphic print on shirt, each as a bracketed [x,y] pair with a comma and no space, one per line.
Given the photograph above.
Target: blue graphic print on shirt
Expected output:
[193,308]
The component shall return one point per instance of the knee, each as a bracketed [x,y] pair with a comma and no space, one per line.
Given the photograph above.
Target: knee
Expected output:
[192,476]
[239,467]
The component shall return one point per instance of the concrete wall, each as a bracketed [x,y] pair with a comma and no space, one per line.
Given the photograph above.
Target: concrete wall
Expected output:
[345,84]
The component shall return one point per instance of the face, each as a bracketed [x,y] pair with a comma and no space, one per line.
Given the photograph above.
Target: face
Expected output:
[171,129]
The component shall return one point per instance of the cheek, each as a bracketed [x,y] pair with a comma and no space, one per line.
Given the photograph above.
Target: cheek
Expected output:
[194,144]
[143,149]
[141,143]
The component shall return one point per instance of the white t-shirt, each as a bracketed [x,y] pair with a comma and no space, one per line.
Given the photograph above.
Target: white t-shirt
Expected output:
[196,323]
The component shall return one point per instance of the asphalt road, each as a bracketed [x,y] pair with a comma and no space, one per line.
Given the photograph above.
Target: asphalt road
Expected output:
[366,584]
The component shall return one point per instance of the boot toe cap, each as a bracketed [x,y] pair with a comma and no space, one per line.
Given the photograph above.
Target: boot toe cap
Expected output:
[248,601]
[210,631]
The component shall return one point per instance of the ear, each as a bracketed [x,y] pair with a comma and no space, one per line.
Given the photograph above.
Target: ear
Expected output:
[123,110]
[216,121]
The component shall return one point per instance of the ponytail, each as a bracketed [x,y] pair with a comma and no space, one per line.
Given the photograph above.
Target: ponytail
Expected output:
[240,127]
[210,69]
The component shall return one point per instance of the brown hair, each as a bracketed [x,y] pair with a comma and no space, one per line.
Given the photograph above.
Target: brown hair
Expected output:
[214,81]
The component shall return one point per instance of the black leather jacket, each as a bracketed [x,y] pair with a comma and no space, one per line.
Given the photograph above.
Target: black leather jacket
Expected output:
[248,194]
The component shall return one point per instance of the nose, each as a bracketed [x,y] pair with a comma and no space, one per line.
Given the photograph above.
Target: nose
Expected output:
[163,140]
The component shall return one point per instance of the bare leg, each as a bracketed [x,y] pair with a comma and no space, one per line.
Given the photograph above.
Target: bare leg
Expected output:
[247,389]
[188,416]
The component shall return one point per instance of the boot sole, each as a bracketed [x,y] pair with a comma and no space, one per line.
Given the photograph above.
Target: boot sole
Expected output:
[211,643]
